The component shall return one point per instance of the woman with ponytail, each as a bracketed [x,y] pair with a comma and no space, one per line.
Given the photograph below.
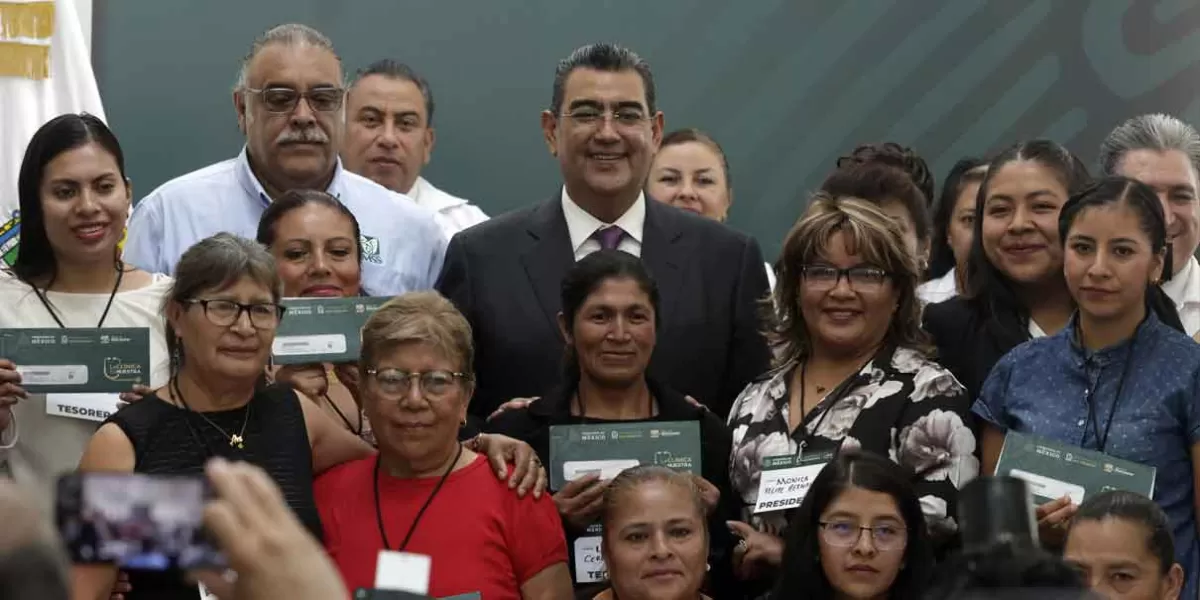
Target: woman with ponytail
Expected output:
[1122,377]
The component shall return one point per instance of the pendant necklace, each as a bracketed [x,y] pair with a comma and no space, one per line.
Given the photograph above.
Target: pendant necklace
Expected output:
[236,440]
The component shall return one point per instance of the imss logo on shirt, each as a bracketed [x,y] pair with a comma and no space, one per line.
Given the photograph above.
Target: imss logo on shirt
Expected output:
[370,250]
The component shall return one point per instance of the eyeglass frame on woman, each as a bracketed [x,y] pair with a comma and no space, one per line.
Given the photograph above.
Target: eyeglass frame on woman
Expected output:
[419,377]
[306,96]
[279,311]
[900,541]
[849,274]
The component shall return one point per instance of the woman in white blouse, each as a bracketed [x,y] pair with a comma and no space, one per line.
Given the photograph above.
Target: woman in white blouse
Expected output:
[74,199]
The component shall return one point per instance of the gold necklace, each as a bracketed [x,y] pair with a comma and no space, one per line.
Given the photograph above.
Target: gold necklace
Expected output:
[236,440]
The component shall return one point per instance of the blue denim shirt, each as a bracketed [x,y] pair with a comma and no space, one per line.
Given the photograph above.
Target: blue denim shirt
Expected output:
[1041,388]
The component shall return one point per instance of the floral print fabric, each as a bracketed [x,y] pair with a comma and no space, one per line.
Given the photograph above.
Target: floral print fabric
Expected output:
[900,405]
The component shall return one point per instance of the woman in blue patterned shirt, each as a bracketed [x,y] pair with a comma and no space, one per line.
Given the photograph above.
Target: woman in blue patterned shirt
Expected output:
[1118,378]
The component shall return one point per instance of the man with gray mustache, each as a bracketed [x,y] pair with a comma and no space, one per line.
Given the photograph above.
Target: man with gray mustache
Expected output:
[289,100]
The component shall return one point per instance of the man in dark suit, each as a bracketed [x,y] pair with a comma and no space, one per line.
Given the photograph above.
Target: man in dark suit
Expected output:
[505,274]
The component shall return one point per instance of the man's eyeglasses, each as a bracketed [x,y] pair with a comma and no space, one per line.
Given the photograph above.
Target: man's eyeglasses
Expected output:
[627,118]
[844,534]
[283,100]
[434,384]
[823,277]
[224,313]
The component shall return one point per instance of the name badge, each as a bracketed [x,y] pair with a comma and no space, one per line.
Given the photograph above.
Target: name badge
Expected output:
[589,563]
[403,572]
[785,480]
[89,407]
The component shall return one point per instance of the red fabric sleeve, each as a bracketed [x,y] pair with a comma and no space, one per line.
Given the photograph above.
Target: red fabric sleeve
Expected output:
[326,498]
[534,534]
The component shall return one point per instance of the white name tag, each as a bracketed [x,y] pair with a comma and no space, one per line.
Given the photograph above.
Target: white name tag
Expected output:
[781,489]
[205,594]
[403,572]
[89,407]
[589,563]
[1040,485]
[300,345]
[606,469]
[53,374]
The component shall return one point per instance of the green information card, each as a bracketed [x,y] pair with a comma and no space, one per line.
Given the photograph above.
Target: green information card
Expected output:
[1054,470]
[316,330]
[609,448]
[86,360]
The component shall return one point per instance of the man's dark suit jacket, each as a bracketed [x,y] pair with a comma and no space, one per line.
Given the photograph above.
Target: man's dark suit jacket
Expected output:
[505,275]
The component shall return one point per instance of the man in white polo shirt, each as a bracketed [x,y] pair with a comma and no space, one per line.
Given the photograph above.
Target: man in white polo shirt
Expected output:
[1164,153]
[289,100]
[389,139]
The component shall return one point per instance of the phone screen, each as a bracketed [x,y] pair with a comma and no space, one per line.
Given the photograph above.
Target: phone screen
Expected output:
[137,521]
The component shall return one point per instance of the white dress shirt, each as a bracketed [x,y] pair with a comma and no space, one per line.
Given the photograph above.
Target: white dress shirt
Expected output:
[1184,290]
[453,214]
[938,290]
[581,225]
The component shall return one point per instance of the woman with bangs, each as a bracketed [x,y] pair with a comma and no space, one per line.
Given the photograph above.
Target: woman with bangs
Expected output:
[851,372]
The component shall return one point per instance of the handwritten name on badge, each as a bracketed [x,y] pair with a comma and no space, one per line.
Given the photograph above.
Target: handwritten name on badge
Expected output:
[781,489]
[589,563]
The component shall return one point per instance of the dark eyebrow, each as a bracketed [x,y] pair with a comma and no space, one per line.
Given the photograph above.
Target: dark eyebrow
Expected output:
[1124,240]
[1183,188]
[277,84]
[406,113]
[1039,193]
[585,104]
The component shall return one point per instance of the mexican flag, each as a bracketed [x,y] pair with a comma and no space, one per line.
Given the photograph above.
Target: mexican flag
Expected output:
[45,71]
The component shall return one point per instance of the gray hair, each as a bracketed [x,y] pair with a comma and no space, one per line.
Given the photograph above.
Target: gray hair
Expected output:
[393,69]
[215,263]
[1156,132]
[289,34]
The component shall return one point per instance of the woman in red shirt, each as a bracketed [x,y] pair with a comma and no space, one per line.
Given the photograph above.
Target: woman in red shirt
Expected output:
[425,493]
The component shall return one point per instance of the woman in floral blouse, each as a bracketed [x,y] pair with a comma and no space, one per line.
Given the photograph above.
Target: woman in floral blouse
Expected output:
[851,371]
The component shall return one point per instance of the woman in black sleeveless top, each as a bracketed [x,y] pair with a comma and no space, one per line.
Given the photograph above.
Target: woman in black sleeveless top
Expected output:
[222,314]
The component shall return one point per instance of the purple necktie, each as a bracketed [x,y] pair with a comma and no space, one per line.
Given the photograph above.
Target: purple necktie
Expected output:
[609,237]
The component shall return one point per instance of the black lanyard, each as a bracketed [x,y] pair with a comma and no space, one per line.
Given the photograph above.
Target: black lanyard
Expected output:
[103,316]
[420,513]
[1093,417]
[838,393]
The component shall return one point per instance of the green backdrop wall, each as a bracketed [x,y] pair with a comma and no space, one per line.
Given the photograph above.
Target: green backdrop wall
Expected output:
[785,85]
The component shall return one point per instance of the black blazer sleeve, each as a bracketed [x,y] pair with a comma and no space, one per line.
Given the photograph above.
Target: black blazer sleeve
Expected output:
[748,356]
[455,282]
[718,444]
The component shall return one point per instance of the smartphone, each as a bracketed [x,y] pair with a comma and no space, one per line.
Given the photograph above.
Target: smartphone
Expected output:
[136,521]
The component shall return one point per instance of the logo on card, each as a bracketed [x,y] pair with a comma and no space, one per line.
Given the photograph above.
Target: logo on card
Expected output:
[370,250]
[116,369]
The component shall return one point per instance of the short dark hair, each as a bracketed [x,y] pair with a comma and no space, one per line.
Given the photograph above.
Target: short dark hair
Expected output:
[601,57]
[990,291]
[35,255]
[585,277]
[878,183]
[964,172]
[394,69]
[1137,509]
[894,155]
[801,573]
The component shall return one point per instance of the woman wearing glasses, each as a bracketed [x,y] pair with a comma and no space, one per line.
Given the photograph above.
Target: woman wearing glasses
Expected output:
[425,492]
[222,313]
[851,372]
[859,533]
